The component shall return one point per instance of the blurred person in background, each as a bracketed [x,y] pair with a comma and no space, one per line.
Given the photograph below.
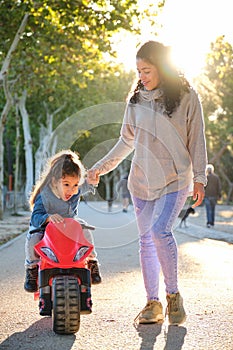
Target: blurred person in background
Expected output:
[122,188]
[212,194]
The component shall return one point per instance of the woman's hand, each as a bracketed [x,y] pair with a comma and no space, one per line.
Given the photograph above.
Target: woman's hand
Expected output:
[93,177]
[198,194]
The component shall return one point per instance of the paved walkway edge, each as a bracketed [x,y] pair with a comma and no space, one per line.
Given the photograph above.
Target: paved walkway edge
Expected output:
[10,242]
[202,232]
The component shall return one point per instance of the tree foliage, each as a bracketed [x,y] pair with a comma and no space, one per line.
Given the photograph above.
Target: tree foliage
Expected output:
[60,59]
[216,89]
[64,43]
[64,57]
[62,49]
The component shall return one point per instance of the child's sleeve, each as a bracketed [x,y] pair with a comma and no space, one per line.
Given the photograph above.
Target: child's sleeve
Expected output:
[86,188]
[39,213]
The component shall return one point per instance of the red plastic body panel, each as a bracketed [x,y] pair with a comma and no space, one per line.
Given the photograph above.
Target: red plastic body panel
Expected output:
[64,239]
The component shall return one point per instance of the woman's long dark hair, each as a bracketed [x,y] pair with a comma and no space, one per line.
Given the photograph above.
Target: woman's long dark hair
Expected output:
[173,83]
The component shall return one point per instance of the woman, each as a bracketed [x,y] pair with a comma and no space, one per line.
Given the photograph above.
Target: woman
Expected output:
[163,124]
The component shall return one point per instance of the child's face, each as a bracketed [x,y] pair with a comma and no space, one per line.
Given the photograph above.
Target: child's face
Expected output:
[67,186]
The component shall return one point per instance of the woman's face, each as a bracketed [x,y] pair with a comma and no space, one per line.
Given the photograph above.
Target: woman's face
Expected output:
[148,74]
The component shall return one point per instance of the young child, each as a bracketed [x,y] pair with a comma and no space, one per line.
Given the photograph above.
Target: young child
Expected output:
[56,196]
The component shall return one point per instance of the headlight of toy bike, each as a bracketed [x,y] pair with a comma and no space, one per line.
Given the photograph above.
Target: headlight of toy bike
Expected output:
[50,254]
[80,253]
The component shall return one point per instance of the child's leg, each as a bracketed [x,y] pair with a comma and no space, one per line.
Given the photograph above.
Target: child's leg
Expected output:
[89,237]
[31,260]
[93,264]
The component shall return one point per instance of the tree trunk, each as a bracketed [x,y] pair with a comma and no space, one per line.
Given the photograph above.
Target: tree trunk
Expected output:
[219,154]
[6,63]
[27,145]
[17,152]
[230,184]
[216,159]
[4,79]
[42,154]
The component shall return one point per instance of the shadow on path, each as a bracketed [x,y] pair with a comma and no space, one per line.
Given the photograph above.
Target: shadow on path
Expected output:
[174,336]
[38,336]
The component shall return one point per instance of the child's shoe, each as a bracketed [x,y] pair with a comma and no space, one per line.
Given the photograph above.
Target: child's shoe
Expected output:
[30,284]
[175,309]
[93,266]
[45,305]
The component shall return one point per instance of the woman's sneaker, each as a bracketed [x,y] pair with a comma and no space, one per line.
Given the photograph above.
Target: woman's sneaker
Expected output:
[175,309]
[152,313]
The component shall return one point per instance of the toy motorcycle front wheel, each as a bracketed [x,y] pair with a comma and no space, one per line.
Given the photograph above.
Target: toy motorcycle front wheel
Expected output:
[66,305]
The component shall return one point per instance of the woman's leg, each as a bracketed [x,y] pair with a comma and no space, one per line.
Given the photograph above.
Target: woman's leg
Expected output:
[166,211]
[157,243]
[148,255]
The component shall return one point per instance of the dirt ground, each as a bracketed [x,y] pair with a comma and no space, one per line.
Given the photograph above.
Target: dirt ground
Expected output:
[13,225]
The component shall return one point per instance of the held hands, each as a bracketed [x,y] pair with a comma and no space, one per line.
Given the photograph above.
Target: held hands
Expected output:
[198,194]
[93,177]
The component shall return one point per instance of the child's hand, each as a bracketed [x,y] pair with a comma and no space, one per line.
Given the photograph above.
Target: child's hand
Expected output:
[55,218]
[93,177]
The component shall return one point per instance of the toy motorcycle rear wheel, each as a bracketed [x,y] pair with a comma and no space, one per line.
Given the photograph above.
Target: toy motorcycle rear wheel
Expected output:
[66,305]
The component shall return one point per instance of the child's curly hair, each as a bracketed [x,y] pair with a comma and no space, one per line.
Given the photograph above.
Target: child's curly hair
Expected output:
[61,164]
[173,83]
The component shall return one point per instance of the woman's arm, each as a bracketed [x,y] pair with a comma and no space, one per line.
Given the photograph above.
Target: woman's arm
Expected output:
[197,148]
[118,153]
[196,139]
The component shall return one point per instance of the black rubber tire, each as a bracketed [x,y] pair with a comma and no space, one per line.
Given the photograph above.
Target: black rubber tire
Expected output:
[66,305]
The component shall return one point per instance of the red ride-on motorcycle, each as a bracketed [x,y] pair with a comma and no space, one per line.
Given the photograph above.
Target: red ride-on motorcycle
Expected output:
[63,277]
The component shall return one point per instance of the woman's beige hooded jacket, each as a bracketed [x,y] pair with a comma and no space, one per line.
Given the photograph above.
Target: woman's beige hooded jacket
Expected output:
[169,153]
